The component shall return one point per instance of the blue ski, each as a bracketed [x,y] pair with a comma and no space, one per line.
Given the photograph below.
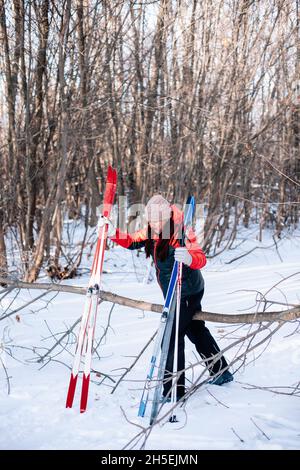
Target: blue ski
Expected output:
[159,337]
[188,217]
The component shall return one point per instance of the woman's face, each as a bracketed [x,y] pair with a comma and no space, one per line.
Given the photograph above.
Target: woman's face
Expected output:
[157,225]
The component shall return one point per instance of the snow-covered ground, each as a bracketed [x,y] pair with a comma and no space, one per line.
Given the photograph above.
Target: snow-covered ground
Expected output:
[234,416]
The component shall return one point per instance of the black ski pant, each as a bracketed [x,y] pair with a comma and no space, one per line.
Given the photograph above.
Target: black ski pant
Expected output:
[199,335]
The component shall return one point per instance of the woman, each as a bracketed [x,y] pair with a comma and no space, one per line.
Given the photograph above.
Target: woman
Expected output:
[160,239]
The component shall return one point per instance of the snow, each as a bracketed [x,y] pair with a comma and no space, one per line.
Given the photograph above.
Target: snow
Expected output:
[238,415]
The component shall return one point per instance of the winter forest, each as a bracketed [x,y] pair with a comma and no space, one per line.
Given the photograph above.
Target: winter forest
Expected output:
[181,97]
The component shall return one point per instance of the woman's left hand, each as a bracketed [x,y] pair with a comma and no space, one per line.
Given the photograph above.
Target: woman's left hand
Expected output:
[183,256]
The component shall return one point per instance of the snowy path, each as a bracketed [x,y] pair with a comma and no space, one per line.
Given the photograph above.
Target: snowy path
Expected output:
[33,415]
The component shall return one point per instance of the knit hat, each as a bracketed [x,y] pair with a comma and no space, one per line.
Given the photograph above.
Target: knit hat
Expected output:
[158,209]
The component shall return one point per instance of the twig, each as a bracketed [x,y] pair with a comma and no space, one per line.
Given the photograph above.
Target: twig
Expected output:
[105,330]
[271,389]
[276,246]
[242,440]
[135,361]
[7,376]
[221,403]
[25,305]
[263,433]
[60,340]
[251,251]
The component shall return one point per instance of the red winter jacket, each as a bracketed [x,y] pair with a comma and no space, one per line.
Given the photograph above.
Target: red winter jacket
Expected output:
[192,280]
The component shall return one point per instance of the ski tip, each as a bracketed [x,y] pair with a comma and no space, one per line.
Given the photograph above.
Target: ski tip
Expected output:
[142,410]
[189,211]
[71,391]
[190,200]
[84,392]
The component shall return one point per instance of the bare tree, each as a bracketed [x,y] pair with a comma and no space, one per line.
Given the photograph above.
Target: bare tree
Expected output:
[180,96]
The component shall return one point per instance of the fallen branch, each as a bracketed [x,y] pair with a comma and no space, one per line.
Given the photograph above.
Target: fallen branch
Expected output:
[280,316]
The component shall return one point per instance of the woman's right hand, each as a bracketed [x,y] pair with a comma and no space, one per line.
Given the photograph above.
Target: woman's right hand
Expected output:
[111,229]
